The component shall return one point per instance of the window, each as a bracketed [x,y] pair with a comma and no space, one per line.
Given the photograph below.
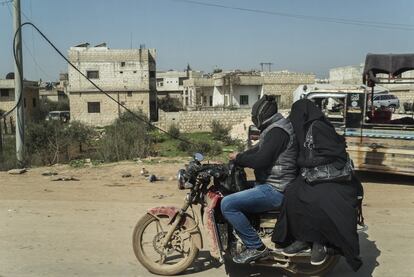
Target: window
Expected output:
[4,92]
[92,74]
[244,100]
[135,71]
[204,100]
[210,101]
[24,102]
[152,74]
[129,93]
[94,107]
[181,80]
[34,102]
[121,72]
[122,64]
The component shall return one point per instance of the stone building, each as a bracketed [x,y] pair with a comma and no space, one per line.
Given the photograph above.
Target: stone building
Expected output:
[30,99]
[242,89]
[171,82]
[55,91]
[128,75]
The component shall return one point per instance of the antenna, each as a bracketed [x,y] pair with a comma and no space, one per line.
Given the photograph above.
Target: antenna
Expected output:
[269,65]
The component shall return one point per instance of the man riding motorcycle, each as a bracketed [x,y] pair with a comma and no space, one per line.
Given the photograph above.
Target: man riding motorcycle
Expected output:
[274,162]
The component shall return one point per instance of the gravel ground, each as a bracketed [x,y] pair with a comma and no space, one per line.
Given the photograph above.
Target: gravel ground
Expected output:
[84,227]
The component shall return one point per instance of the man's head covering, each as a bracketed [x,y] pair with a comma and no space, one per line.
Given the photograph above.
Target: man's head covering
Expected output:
[263,109]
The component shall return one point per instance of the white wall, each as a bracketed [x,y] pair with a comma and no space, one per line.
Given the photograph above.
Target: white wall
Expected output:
[253,92]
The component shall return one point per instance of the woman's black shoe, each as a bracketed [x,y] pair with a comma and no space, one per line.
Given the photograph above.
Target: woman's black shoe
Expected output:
[319,254]
[298,247]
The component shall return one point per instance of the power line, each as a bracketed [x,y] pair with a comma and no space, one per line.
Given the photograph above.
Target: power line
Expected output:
[355,22]
[31,54]
[5,2]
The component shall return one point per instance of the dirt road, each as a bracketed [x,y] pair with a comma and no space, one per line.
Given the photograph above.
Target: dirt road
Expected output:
[83,228]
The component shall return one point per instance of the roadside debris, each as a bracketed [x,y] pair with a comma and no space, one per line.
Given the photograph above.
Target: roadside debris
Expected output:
[126,175]
[88,162]
[49,173]
[162,196]
[64,178]
[152,178]
[17,171]
[144,172]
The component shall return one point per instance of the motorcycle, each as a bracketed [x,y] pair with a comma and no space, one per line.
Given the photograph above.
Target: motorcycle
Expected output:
[167,240]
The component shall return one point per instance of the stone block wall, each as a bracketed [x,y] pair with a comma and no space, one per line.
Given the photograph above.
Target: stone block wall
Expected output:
[283,84]
[200,121]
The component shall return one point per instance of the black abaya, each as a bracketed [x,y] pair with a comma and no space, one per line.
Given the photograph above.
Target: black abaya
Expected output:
[325,212]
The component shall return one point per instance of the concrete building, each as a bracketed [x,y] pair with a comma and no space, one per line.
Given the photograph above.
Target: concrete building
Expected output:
[242,89]
[128,75]
[170,83]
[30,99]
[55,91]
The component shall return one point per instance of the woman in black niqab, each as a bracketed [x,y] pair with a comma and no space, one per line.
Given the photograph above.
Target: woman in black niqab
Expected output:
[325,213]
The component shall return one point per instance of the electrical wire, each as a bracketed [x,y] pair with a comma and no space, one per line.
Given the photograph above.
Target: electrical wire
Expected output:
[31,54]
[364,23]
[93,83]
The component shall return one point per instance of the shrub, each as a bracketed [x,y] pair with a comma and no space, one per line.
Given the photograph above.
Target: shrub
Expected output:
[219,131]
[81,134]
[168,104]
[127,138]
[47,142]
[174,131]
[202,147]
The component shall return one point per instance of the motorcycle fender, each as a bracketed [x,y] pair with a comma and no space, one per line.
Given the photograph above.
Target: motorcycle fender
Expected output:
[189,222]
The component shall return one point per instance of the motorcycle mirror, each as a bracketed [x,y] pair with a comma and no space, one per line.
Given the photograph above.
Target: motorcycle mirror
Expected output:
[198,157]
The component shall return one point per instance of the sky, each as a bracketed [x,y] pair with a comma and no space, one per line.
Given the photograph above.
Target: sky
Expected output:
[209,37]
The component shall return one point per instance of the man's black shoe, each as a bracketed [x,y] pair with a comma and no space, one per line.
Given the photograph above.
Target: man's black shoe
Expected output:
[319,254]
[250,255]
[298,247]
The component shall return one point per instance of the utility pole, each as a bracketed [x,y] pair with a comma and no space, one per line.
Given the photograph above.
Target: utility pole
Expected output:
[18,87]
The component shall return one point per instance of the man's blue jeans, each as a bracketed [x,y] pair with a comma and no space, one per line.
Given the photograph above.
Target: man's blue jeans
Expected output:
[260,198]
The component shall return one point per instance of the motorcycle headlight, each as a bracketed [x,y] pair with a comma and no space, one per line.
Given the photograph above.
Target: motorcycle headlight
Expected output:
[181,179]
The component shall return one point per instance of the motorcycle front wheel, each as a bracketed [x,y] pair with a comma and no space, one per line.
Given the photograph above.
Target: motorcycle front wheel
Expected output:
[148,238]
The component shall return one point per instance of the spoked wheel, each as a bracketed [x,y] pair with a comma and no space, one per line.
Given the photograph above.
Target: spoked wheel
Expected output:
[306,269]
[148,238]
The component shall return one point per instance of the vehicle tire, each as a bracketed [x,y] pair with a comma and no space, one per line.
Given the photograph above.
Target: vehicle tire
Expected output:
[154,267]
[392,108]
[316,271]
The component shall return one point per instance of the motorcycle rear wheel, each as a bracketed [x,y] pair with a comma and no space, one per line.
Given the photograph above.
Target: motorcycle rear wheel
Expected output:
[154,266]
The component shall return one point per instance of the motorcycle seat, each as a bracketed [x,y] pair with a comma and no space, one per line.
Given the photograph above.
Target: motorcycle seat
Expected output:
[271,213]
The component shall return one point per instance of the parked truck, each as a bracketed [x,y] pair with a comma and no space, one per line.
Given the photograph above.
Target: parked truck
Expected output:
[378,139]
